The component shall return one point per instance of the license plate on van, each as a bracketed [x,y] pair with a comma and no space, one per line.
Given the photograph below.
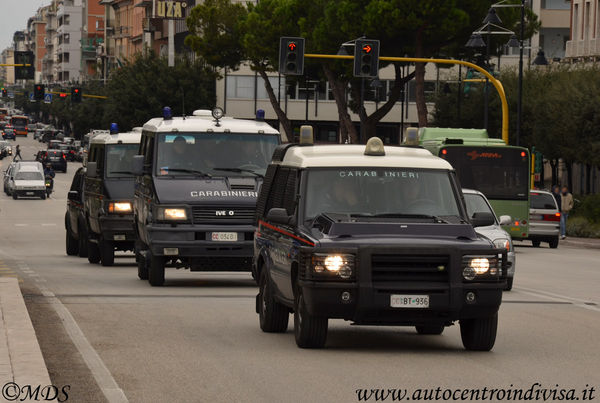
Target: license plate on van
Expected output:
[224,236]
[409,301]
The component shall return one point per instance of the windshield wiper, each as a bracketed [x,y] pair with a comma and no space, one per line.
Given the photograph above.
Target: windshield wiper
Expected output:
[403,215]
[239,170]
[189,171]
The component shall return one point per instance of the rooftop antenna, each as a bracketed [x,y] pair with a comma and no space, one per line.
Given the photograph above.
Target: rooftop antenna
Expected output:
[183,102]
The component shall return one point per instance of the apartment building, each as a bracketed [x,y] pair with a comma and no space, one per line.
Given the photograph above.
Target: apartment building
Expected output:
[50,59]
[584,43]
[36,35]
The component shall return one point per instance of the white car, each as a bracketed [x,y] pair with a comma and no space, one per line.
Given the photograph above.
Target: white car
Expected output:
[28,180]
[477,203]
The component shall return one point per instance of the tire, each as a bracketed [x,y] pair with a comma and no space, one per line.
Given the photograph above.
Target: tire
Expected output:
[310,331]
[71,244]
[479,334]
[536,244]
[553,243]
[509,284]
[430,329]
[43,196]
[107,252]
[93,252]
[142,266]
[156,272]
[273,316]
[15,196]
[83,245]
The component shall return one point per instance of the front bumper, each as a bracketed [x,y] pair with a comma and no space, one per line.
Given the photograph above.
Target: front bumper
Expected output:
[193,243]
[37,192]
[368,301]
[117,228]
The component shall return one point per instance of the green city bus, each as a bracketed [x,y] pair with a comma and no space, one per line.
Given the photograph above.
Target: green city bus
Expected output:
[500,171]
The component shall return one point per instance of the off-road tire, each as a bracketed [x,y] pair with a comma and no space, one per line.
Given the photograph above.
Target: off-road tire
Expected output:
[273,316]
[310,331]
[479,334]
[156,272]
[107,252]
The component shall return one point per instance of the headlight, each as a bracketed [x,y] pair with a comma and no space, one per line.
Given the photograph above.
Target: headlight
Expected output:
[503,243]
[171,214]
[119,207]
[341,265]
[481,267]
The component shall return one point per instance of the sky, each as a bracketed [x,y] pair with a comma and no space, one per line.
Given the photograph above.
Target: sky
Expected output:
[13,17]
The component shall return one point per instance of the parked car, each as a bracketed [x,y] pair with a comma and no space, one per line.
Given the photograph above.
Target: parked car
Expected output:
[544,219]
[9,133]
[58,159]
[54,144]
[476,202]
[5,149]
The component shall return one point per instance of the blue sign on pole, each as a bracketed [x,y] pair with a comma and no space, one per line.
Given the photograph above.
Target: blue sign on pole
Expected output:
[31,97]
[47,98]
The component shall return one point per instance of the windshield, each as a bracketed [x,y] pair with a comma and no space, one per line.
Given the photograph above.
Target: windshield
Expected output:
[215,154]
[118,159]
[29,176]
[380,192]
[19,122]
[543,201]
[497,172]
[476,204]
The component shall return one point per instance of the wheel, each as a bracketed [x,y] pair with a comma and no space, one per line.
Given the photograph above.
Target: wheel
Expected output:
[310,331]
[83,245]
[15,196]
[509,284]
[43,196]
[553,243]
[479,334]
[273,317]
[156,272]
[142,265]
[536,244]
[71,243]
[430,329]
[107,252]
[93,252]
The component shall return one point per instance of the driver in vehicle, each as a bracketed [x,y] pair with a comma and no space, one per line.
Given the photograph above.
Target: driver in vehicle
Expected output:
[341,198]
[180,156]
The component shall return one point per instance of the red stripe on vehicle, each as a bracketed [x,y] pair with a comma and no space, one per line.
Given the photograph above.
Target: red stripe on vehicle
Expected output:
[274,228]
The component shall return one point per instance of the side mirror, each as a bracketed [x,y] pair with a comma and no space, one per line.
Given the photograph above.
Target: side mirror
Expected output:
[73,195]
[482,219]
[92,171]
[278,216]
[505,220]
[137,165]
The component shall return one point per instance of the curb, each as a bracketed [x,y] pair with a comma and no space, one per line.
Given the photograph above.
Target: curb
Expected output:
[19,347]
[588,243]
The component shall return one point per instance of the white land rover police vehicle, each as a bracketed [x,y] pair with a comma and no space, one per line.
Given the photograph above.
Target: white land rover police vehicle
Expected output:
[375,236]
[197,181]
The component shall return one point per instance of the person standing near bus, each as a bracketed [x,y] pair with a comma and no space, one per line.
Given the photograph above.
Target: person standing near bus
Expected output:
[566,206]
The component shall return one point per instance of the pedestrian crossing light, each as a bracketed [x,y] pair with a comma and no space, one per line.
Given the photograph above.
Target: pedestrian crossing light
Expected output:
[291,56]
[4,92]
[366,58]
[38,92]
[76,94]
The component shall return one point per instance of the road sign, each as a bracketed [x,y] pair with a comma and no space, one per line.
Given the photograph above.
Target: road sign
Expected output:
[31,98]
[11,94]
[47,98]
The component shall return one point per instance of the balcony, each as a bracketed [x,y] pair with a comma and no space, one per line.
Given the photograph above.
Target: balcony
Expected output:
[121,32]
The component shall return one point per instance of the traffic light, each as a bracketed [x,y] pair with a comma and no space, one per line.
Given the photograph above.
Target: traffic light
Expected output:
[366,58]
[4,92]
[24,72]
[38,92]
[291,56]
[76,94]
[62,95]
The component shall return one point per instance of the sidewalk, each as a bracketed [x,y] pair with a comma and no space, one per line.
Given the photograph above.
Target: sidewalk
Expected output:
[21,359]
[587,243]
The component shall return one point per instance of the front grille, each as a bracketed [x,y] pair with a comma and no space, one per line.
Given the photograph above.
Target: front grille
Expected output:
[222,214]
[410,268]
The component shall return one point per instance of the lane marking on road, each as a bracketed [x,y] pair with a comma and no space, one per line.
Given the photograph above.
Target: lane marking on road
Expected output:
[48,225]
[100,372]
[590,305]
[21,225]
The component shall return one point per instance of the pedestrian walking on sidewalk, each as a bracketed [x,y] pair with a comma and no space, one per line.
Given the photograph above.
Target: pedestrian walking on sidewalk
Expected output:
[556,194]
[565,206]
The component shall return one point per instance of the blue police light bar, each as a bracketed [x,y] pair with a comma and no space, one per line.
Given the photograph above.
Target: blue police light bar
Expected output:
[167,113]
[114,128]
[260,114]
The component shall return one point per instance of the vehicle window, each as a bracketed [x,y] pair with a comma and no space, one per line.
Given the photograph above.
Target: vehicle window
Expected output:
[76,184]
[231,154]
[118,159]
[29,176]
[542,201]
[379,191]
[476,204]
